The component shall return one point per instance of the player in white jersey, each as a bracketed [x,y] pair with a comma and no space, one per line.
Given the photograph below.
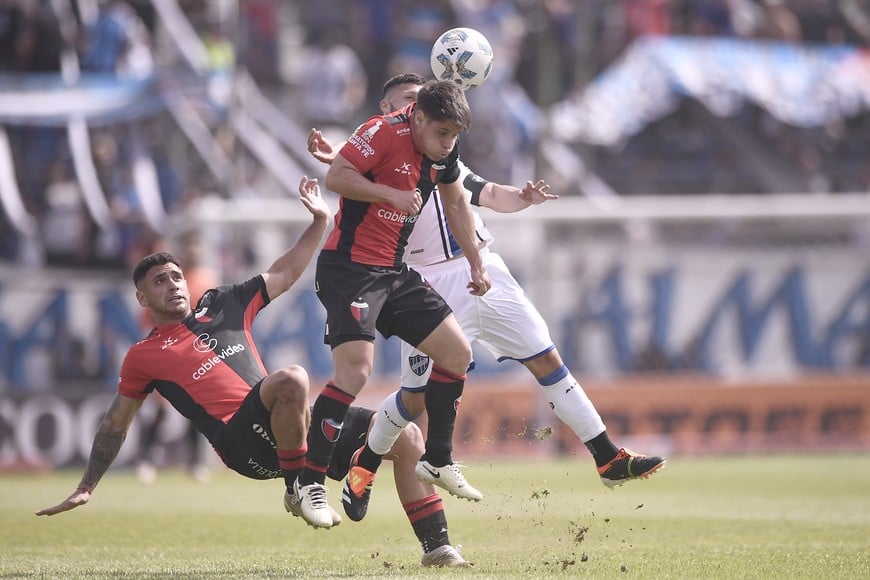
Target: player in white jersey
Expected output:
[504,320]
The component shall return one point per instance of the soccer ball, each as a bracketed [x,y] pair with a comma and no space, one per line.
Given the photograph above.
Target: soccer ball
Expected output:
[462,55]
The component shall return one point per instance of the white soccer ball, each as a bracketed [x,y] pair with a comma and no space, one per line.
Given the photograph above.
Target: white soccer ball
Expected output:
[462,55]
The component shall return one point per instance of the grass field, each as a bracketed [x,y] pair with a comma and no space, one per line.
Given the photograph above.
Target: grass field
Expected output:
[721,517]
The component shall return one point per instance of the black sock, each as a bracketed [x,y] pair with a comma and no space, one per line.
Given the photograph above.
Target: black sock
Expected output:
[429,521]
[601,448]
[327,418]
[443,392]
[369,459]
[291,461]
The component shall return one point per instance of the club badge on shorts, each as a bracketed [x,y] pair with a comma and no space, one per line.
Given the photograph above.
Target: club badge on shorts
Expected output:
[419,364]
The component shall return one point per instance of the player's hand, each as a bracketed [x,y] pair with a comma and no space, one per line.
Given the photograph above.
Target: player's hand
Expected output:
[309,195]
[320,148]
[80,496]
[480,282]
[536,193]
[409,202]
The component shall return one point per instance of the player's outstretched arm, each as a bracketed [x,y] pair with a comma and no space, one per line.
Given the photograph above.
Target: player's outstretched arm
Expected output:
[509,199]
[107,443]
[284,271]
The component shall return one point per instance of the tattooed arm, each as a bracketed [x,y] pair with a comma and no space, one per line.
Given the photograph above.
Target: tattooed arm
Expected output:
[107,442]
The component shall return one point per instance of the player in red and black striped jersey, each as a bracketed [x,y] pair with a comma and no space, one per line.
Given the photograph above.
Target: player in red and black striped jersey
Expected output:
[206,365]
[384,174]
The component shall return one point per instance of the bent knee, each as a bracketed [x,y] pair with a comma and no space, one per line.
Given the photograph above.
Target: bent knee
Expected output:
[410,443]
[352,379]
[292,381]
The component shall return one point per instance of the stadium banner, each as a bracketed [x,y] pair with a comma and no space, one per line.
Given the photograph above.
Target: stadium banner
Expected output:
[47,100]
[510,418]
[801,85]
[737,313]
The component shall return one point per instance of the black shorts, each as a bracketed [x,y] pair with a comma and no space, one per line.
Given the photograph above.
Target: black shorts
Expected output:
[353,436]
[246,443]
[360,299]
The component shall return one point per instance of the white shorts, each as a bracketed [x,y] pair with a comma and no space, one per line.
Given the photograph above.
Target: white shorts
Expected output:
[503,320]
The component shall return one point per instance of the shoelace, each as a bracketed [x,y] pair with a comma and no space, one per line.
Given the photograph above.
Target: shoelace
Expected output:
[454,469]
[317,497]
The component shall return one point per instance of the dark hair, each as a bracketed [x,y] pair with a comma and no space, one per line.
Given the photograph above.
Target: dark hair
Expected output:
[148,262]
[404,79]
[445,101]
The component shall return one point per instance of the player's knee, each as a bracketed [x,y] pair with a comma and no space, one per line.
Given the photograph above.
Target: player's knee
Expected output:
[352,378]
[457,359]
[410,445]
[414,437]
[292,383]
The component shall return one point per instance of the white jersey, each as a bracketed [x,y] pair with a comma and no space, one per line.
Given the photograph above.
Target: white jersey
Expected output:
[431,241]
[503,320]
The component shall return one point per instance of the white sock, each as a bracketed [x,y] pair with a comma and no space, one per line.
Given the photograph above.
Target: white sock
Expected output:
[390,419]
[571,404]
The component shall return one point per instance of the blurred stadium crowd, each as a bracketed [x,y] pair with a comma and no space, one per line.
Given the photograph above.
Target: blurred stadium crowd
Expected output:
[323,64]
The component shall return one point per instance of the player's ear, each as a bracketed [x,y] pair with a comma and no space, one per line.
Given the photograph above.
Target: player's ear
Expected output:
[140,297]
[385,107]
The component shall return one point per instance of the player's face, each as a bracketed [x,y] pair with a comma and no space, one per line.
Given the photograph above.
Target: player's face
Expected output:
[164,290]
[434,139]
[399,96]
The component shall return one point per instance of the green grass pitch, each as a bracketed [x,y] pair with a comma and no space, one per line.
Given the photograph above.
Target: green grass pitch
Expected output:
[778,516]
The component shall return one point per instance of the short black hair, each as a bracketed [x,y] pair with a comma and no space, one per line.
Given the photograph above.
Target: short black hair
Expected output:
[445,101]
[148,262]
[404,79]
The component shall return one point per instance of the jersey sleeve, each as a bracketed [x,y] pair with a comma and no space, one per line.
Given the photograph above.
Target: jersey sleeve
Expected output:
[134,380]
[472,183]
[249,292]
[368,145]
[251,297]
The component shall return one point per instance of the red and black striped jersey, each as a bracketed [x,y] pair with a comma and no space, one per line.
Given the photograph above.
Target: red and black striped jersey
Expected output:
[383,150]
[206,364]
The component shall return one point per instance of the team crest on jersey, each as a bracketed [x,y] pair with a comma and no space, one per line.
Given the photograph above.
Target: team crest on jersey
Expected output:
[168,342]
[419,364]
[359,310]
[330,429]
[370,132]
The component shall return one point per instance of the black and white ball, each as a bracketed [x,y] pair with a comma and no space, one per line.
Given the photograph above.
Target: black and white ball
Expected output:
[462,55]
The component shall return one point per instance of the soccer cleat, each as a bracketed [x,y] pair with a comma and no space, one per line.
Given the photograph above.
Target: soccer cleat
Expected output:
[291,504]
[448,477]
[628,465]
[357,489]
[444,557]
[312,504]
